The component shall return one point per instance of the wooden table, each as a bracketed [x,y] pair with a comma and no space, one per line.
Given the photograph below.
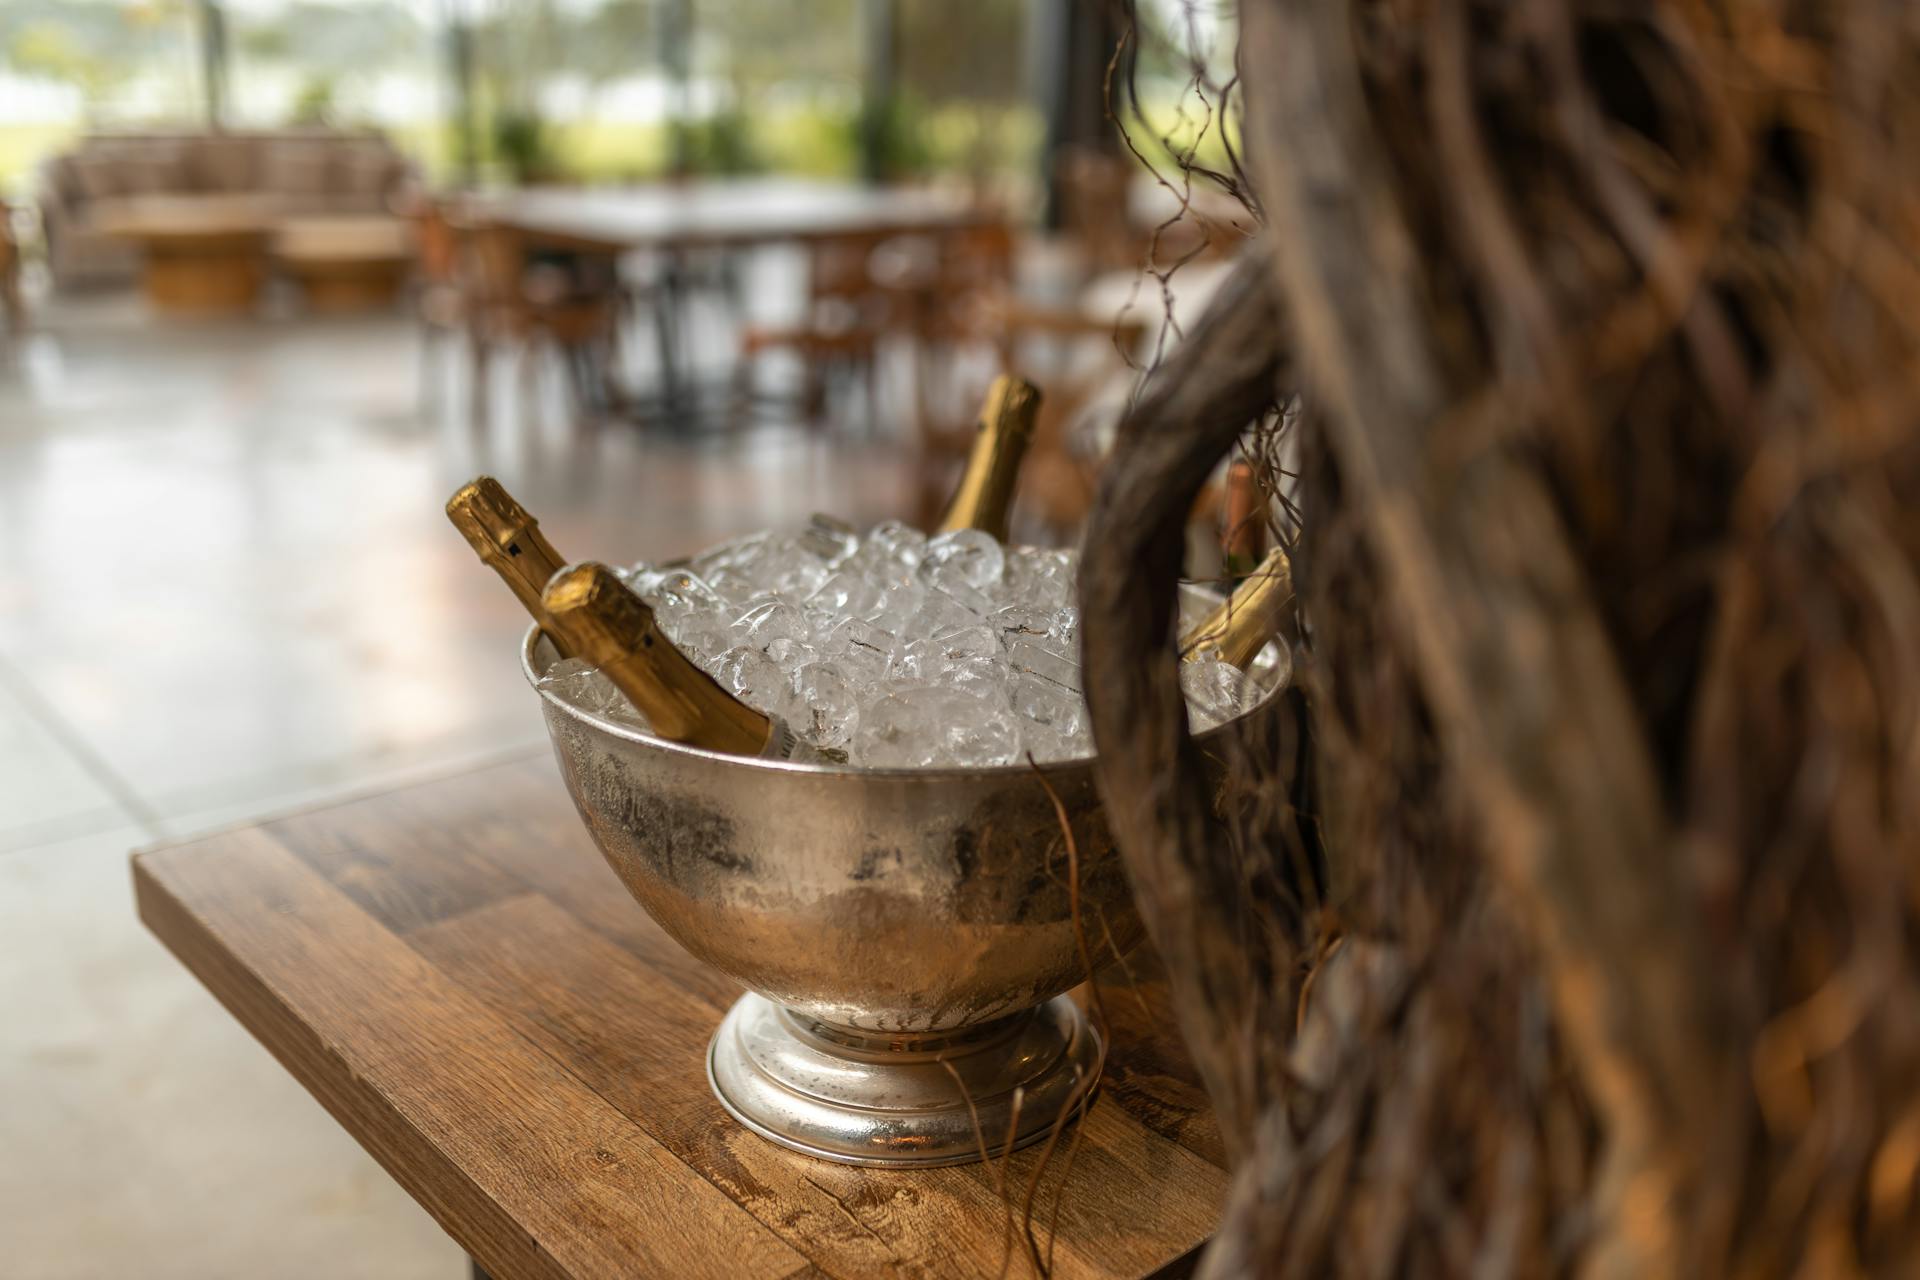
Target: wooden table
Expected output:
[202,254]
[345,263]
[456,975]
[673,220]
[731,213]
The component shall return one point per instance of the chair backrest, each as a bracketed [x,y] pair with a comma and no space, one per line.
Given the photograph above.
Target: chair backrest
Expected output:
[1095,206]
[976,257]
[491,261]
[436,246]
[841,266]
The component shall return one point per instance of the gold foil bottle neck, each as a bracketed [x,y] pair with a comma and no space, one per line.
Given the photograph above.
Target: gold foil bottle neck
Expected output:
[1001,436]
[1240,626]
[506,536]
[596,616]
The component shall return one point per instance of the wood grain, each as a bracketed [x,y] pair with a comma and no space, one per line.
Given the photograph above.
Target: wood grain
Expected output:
[453,971]
[531,1171]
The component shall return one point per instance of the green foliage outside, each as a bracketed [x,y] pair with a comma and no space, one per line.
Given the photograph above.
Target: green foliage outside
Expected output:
[789,74]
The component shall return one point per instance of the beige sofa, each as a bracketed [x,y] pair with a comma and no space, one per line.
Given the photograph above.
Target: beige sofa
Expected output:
[305,172]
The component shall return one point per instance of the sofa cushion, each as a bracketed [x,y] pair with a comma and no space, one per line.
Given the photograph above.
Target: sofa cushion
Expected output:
[60,180]
[156,168]
[99,175]
[364,172]
[215,162]
[297,169]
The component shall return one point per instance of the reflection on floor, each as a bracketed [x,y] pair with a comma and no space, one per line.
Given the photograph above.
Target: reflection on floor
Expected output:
[226,588]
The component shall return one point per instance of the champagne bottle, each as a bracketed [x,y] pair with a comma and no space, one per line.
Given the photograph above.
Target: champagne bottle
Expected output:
[603,621]
[1243,530]
[508,539]
[1240,626]
[1001,435]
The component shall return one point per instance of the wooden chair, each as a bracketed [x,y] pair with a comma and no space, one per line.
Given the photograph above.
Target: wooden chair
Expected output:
[839,333]
[1095,191]
[509,298]
[439,302]
[10,297]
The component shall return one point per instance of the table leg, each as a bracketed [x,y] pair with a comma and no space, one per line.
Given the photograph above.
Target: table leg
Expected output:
[667,332]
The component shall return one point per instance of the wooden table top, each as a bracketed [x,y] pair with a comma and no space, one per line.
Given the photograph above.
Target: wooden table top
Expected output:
[455,974]
[354,238]
[737,211]
[190,217]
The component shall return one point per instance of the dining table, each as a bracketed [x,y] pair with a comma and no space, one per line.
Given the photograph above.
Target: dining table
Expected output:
[682,225]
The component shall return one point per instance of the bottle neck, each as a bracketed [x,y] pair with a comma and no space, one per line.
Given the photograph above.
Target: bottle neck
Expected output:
[1001,436]
[1241,625]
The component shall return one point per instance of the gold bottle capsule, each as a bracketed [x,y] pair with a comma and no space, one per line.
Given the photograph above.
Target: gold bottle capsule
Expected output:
[1001,436]
[1240,626]
[599,618]
[506,537]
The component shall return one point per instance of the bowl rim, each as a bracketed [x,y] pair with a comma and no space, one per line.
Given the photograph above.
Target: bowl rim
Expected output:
[947,774]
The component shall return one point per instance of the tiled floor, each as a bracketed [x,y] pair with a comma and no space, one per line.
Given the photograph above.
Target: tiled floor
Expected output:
[227,588]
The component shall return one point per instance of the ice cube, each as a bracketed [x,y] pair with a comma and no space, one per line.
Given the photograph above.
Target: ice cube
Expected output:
[832,704]
[914,725]
[1064,627]
[729,555]
[938,614]
[763,563]
[1041,578]
[975,557]
[832,541]
[965,656]
[677,591]
[791,655]
[1216,691]
[758,681]
[1042,657]
[978,732]
[965,564]
[702,636]
[1023,620]
[734,585]
[899,601]
[1047,703]
[578,683]
[849,595]
[860,648]
[788,568]
[891,544]
[770,618]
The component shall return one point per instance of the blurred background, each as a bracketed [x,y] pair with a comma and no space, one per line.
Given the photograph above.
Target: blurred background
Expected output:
[277,275]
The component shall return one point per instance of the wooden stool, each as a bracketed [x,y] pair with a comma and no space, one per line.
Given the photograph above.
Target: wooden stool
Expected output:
[345,264]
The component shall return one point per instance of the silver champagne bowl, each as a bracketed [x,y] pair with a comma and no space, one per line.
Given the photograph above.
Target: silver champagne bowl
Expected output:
[905,936]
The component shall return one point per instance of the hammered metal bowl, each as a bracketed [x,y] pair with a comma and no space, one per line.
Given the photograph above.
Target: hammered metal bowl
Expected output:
[896,929]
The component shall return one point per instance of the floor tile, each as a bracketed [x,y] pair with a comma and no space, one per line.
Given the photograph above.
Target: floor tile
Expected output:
[144,1133]
[251,799]
[47,791]
[227,588]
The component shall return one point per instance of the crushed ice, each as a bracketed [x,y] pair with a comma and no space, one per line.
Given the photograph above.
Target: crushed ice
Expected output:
[896,650]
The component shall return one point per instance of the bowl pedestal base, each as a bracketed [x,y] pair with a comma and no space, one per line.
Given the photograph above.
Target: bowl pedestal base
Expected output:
[869,1098]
